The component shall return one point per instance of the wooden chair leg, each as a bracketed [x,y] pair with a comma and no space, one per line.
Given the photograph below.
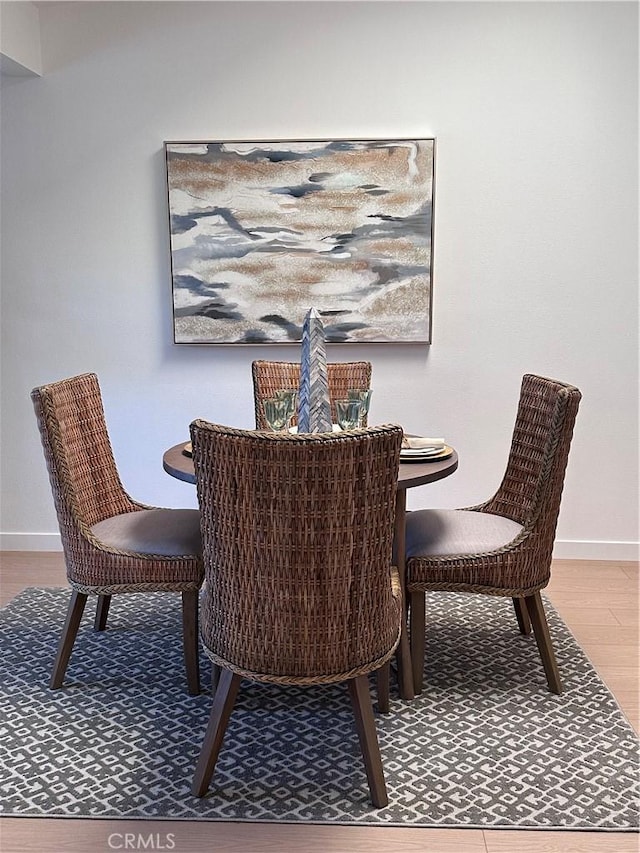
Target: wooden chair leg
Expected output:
[522,615]
[543,639]
[215,677]
[190,639]
[223,702]
[69,633]
[366,727]
[102,611]
[383,676]
[417,638]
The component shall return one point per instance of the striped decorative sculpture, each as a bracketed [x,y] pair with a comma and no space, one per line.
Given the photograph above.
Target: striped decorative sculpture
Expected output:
[314,408]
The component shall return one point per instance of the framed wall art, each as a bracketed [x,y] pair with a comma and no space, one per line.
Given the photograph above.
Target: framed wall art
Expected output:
[262,231]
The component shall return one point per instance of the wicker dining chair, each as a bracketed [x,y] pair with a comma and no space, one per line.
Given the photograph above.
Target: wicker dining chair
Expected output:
[501,547]
[272,376]
[111,543]
[297,535]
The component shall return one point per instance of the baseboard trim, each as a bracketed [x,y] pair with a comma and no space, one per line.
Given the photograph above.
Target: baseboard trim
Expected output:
[30,542]
[564,549]
[577,549]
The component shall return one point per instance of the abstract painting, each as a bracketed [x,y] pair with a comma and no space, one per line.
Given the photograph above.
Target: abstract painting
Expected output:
[260,232]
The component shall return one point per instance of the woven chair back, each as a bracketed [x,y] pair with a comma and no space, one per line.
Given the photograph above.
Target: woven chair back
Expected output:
[297,543]
[271,376]
[84,479]
[531,489]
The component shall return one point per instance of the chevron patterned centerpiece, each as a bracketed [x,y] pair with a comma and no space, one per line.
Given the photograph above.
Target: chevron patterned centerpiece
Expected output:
[314,408]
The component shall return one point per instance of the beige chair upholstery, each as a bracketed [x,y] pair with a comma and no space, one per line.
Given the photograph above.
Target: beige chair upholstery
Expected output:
[503,546]
[112,544]
[272,376]
[297,534]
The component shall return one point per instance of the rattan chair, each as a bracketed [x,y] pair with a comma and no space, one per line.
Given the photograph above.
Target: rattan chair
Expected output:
[501,547]
[111,543]
[297,535]
[272,376]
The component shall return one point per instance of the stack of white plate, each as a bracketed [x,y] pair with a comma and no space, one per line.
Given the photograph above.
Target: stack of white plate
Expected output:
[423,449]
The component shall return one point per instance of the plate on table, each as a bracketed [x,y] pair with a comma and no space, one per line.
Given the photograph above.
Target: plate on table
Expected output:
[422,451]
[187,449]
[427,454]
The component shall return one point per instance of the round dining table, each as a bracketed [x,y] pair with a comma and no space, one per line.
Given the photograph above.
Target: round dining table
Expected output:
[177,462]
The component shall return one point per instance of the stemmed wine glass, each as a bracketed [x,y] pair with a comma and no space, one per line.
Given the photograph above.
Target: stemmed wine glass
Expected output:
[279,409]
[276,412]
[290,398]
[348,413]
[363,395]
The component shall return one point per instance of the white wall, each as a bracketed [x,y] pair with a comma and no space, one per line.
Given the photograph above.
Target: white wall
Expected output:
[534,106]
[20,38]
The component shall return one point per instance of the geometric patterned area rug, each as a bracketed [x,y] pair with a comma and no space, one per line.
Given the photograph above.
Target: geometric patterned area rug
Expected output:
[485,745]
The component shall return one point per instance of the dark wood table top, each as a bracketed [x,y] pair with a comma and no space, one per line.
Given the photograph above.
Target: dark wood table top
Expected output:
[178,464]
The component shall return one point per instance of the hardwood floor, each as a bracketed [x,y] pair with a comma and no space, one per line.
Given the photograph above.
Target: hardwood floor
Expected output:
[597,600]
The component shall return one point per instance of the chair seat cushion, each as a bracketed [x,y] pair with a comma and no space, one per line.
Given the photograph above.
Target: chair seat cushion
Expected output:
[435,532]
[162,532]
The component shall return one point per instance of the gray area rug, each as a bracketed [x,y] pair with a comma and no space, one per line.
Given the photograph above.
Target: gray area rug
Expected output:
[486,745]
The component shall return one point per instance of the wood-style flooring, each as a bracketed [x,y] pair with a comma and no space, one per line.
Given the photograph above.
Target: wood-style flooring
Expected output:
[597,600]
